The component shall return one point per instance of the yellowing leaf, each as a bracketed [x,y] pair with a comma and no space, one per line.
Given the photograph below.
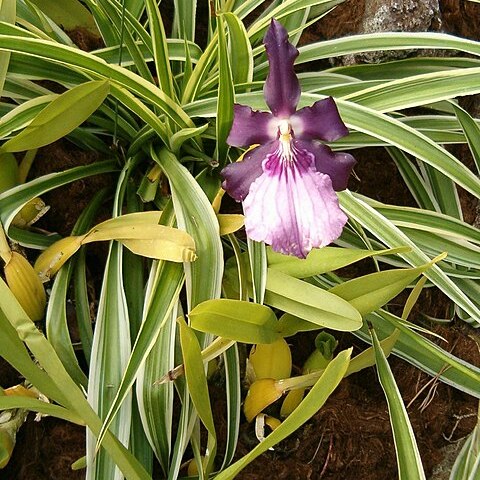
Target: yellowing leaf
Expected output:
[229,223]
[51,260]
[149,240]
[139,232]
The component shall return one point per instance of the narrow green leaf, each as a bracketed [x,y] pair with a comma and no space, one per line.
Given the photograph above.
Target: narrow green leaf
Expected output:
[195,214]
[369,292]
[110,352]
[310,303]
[160,48]
[164,285]
[257,254]
[387,41]
[418,90]
[180,137]
[60,117]
[225,95]
[425,354]
[185,16]
[117,17]
[13,200]
[87,62]
[7,14]
[391,236]
[57,326]
[234,399]
[286,8]
[323,260]
[237,320]
[472,132]
[240,50]
[408,457]
[156,400]
[71,396]
[13,350]
[198,388]
[467,464]
[444,191]
[413,179]
[32,404]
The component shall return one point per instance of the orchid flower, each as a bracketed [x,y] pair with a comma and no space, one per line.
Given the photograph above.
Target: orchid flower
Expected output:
[287,184]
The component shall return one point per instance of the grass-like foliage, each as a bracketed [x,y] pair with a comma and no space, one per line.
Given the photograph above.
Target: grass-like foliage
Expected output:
[180,287]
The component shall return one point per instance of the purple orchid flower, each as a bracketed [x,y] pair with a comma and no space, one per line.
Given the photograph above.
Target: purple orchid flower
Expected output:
[287,184]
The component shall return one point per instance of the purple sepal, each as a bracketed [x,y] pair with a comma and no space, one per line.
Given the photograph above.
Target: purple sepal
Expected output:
[321,121]
[282,89]
[238,176]
[250,127]
[337,166]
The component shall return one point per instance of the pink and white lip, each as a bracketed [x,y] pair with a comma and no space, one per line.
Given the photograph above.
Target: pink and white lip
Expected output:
[287,184]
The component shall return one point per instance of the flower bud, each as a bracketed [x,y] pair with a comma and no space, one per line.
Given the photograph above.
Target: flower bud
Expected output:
[51,260]
[30,213]
[26,286]
[261,394]
[272,360]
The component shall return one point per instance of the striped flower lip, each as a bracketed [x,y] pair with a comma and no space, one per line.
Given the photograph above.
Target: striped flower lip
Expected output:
[287,184]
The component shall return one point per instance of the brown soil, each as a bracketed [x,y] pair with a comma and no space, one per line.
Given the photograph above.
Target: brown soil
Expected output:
[350,438]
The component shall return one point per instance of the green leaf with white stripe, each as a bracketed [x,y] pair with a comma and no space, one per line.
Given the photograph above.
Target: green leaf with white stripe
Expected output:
[389,234]
[408,457]
[7,14]
[472,132]
[467,464]
[240,50]
[13,200]
[160,48]
[110,352]
[225,95]
[195,214]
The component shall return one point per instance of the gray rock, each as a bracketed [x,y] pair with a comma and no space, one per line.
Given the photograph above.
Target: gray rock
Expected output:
[395,16]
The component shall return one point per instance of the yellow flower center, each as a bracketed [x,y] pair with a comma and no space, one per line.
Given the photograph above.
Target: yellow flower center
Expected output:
[285,140]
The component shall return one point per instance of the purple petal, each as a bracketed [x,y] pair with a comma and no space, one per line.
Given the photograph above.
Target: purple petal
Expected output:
[250,127]
[321,121]
[291,206]
[238,176]
[281,90]
[336,165]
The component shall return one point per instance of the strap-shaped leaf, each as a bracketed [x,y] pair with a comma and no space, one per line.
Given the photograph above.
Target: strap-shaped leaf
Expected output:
[237,320]
[198,388]
[323,260]
[408,457]
[310,303]
[369,292]
[60,117]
